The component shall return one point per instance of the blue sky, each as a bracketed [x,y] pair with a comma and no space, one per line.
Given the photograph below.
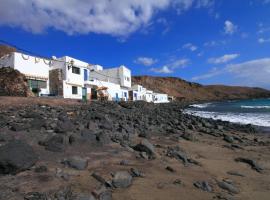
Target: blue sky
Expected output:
[205,41]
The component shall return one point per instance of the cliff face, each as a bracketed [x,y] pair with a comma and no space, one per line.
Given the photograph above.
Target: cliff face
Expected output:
[188,91]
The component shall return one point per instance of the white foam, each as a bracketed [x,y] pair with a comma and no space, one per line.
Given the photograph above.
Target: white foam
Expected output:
[257,119]
[256,107]
[205,105]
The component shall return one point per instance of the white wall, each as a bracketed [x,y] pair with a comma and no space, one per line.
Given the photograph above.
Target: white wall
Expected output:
[125,76]
[30,66]
[112,88]
[160,98]
[67,91]
[120,75]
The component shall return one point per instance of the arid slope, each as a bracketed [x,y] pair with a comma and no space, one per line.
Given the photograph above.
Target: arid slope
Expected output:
[184,90]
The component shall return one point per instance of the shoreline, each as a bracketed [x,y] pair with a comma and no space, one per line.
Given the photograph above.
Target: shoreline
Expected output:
[83,150]
[197,108]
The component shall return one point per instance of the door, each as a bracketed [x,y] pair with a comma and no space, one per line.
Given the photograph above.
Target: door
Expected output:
[116,97]
[84,94]
[130,93]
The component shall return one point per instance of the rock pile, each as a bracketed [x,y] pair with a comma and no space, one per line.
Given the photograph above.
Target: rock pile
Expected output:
[68,136]
[13,83]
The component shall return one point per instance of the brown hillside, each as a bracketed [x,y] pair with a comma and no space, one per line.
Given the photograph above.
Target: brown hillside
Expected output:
[184,90]
[6,50]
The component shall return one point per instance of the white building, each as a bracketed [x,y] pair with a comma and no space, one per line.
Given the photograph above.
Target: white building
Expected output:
[117,80]
[72,78]
[160,98]
[74,75]
[35,69]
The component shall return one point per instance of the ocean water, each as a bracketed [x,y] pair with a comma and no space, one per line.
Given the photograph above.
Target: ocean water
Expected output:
[253,111]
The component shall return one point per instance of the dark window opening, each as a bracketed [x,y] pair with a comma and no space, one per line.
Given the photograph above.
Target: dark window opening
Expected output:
[76,70]
[37,84]
[74,90]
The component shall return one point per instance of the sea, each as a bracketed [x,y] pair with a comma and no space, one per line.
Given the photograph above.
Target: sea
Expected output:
[252,111]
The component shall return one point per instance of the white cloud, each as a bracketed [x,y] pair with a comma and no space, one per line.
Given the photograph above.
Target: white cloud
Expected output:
[145,61]
[256,72]
[214,43]
[163,70]
[171,66]
[212,73]
[179,63]
[250,73]
[223,59]
[114,17]
[205,3]
[190,46]
[229,28]
[166,25]
[263,40]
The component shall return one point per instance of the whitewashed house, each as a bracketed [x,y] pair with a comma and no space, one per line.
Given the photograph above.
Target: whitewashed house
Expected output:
[35,69]
[136,92]
[68,76]
[117,80]
[160,98]
[75,79]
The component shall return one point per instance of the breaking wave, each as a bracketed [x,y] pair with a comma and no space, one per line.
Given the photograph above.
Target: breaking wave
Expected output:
[256,107]
[205,105]
[240,118]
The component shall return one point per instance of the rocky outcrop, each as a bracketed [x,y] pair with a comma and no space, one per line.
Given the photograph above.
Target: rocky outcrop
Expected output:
[13,83]
[16,156]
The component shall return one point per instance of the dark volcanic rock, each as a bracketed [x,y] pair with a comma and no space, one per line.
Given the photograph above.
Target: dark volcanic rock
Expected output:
[147,147]
[228,186]
[76,162]
[228,139]
[83,197]
[203,185]
[136,173]
[177,153]
[103,193]
[235,173]
[189,136]
[122,179]
[64,127]
[41,169]
[55,143]
[170,169]
[16,156]
[252,163]
[35,196]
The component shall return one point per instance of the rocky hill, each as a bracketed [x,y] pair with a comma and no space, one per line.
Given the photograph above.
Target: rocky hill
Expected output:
[6,50]
[188,91]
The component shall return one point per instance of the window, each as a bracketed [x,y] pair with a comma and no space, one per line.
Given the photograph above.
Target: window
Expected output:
[76,70]
[127,78]
[85,74]
[74,90]
[37,83]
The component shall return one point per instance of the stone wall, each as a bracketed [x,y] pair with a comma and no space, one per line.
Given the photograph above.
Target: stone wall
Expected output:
[56,82]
